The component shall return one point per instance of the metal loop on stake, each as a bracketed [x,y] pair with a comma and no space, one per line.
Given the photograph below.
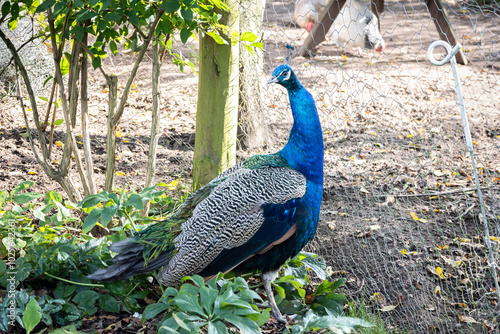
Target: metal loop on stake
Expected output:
[447,46]
[450,57]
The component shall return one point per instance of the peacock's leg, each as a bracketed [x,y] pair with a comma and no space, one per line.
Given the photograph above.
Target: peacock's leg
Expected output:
[267,279]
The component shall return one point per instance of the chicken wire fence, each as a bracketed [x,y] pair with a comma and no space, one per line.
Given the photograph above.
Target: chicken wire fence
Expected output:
[401,219]
[34,53]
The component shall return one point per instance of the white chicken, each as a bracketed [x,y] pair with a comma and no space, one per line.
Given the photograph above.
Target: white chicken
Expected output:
[355,26]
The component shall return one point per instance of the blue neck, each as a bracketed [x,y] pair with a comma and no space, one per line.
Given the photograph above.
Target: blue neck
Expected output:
[305,150]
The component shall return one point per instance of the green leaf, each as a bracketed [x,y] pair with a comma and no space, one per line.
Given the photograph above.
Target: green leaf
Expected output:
[112,17]
[107,213]
[44,6]
[170,6]
[244,324]
[216,327]
[109,303]
[248,36]
[85,14]
[187,13]
[78,31]
[217,38]
[248,48]
[96,63]
[3,266]
[153,310]
[86,297]
[188,303]
[133,17]
[257,45]
[316,264]
[91,220]
[5,8]
[25,198]
[113,47]
[207,298]
[64,66]
[3,197]
[22,186]
[32,315]
[185,34]
[136,201]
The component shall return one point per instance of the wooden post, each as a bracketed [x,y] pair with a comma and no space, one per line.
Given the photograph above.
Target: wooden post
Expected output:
[442,22]
[377,8]
[217,109]
[321,27]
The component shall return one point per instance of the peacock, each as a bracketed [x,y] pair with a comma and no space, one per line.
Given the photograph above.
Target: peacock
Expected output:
[251,218]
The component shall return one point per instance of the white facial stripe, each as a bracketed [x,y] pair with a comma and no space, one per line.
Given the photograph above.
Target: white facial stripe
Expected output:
[288,74]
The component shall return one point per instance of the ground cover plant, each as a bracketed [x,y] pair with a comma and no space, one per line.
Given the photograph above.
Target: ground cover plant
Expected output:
[47,287]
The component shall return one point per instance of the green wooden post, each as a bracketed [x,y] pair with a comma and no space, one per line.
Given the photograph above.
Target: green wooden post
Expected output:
[217,109]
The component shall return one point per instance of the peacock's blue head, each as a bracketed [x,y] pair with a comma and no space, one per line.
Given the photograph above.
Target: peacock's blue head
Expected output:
[284,76]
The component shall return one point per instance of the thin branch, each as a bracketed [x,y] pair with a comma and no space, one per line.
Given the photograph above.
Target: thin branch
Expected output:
[91,55]
[121,106]
[70,138]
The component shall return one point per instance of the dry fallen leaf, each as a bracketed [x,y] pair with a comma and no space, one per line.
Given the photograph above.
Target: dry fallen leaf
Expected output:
[439,272]
[467,319]
[388,308]
[173,185]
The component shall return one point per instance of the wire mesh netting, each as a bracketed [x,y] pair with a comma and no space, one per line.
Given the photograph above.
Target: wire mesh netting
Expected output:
[401,217]
[34,53]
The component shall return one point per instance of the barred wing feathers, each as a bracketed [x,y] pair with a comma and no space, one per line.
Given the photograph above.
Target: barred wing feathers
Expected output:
[230,216]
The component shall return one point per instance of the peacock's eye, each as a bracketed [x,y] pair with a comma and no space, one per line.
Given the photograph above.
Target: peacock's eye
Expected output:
[285,74]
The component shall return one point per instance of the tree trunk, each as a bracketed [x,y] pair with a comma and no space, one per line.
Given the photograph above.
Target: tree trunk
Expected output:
[155,122]
[217,110]
[111,134]
[252,129]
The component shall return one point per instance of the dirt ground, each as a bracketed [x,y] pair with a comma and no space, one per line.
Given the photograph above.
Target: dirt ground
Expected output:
[399,200]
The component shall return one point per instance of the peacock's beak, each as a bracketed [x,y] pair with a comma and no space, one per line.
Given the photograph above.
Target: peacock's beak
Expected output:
[272,80]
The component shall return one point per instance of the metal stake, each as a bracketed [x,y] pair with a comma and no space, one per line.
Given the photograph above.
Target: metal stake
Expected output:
[450,57]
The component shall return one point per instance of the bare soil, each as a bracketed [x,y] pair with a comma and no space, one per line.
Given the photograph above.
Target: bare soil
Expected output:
[399,200]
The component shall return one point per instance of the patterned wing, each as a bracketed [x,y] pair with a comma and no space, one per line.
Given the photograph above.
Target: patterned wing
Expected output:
[230,216]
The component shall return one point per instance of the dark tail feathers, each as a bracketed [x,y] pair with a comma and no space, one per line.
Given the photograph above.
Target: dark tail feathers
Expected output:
[129,262]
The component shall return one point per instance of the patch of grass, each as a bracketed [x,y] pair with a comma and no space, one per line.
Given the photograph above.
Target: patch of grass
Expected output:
[358,309]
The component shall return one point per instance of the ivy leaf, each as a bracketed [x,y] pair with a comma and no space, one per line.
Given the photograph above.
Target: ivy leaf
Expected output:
[109,303]
[32,315]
